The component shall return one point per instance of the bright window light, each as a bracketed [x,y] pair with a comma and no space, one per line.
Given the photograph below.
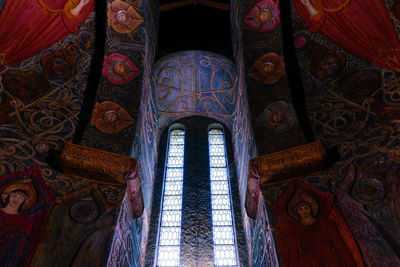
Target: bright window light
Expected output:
[169,235]
[224,242]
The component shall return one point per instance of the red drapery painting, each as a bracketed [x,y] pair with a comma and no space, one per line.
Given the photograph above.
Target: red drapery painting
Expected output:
[310,230]
[361,27]
[25,204]
[28,27]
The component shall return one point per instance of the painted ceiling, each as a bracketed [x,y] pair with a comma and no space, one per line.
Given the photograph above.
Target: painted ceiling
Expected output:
[300,79]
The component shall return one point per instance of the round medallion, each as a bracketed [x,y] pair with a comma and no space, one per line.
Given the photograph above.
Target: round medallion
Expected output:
[267,68]
[275,117]
[369,190]
[123,17]
[263,16]
[84,211]
[111,116]
[59,67]
[327,67]
[300,42]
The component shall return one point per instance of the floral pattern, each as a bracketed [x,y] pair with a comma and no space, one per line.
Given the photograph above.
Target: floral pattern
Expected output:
[268,69]
[264,16]
[119,69]
[122,17]
[109,117]
[278,117]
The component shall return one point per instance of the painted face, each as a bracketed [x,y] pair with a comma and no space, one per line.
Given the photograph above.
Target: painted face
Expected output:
[267,68]
[263,16]
[110,116]
[275,117]
[122,17]
[120,69]
[304,211]
[16,199]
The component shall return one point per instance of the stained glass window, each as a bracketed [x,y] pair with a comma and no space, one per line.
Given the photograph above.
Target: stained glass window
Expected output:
[169,233]
[224,241]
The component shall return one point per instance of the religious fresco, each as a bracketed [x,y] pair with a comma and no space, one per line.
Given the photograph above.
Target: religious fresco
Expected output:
[351,95]
[310,230]
[194,83]
[49,23]
[266,79]
[26,201]
[360,32]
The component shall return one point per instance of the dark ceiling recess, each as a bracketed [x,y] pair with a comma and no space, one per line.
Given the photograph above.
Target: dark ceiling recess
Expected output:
[194,25]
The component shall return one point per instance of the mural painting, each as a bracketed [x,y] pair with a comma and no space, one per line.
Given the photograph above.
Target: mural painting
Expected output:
[310,230]
[28,27]
[26,202]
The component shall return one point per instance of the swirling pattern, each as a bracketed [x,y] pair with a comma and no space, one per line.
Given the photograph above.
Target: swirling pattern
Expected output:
[194,82]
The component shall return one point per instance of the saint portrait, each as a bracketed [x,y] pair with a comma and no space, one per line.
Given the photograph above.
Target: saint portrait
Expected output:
[363,28]
[310,230]
[28,27]
[25,202]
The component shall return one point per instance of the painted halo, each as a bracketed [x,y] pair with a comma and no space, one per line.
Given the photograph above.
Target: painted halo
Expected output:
[30,192]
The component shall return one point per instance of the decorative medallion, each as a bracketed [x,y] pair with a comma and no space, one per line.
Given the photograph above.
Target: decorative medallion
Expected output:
[325,63]
[119,69]
[109,117]
[278,117]
[122,17]
[268,69]
[84,211]
[26,85]
[369,190]
[301,40]
[28,191]
[61,64]
[362,85]
[264,16]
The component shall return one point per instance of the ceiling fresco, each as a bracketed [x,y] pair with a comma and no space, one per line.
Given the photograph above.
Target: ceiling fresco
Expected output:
[295,78]
[194,83]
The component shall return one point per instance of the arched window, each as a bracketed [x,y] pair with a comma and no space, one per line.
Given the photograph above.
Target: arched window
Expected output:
[194,215]
[224,238]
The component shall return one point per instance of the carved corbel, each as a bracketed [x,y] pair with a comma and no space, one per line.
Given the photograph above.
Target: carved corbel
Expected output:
[104,167]
[252,191]
[134,191]
[282,167]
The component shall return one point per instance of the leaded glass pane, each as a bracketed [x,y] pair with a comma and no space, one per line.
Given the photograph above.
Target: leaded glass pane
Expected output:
[223,235]
[220,187]
[224,247]
[218,174]
[170,236]
[171,218]
[172,203]
[176,140]
[216,150]
[216,139]
[175,162]
[220,202]
[173,188]
[222,217]
[225,255]
[174,174]
[168,253]
[176,150]
[217,161]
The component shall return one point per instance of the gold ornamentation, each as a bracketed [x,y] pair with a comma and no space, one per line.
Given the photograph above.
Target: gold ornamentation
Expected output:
[252,194]
[30,194]
[293,163]
[96,165]
[109,117]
